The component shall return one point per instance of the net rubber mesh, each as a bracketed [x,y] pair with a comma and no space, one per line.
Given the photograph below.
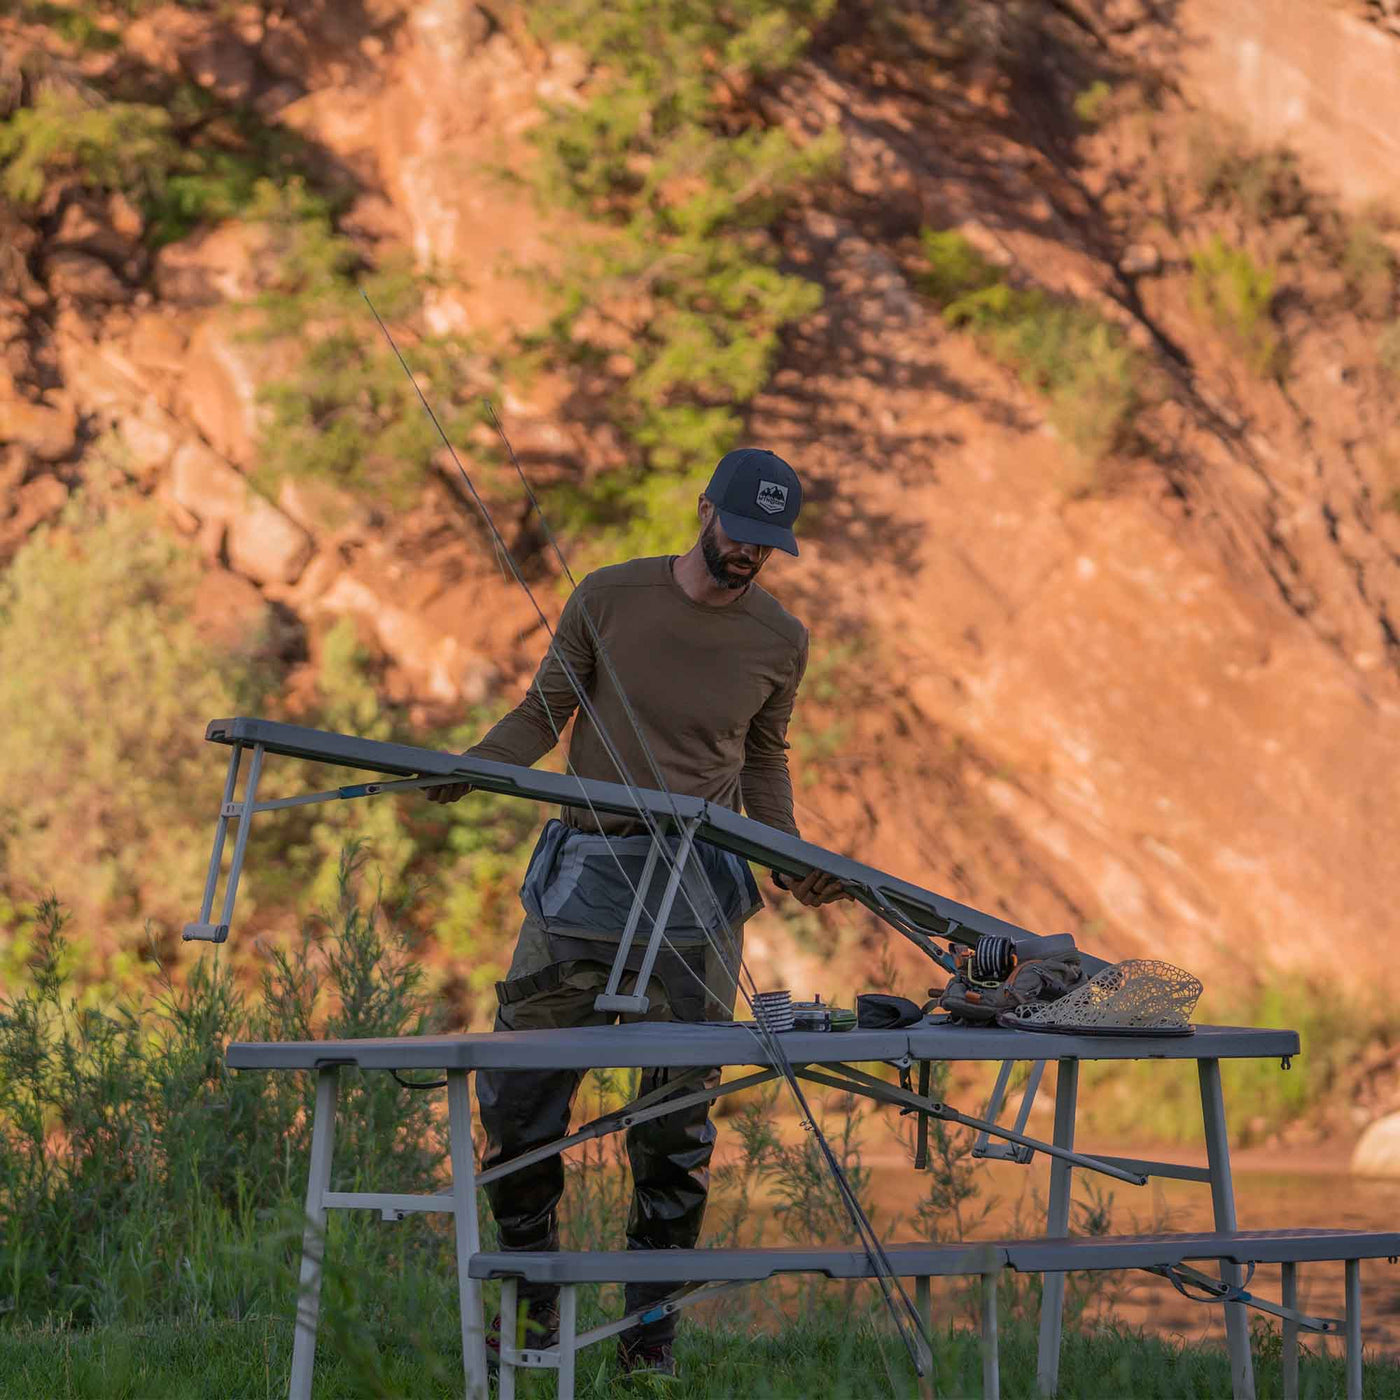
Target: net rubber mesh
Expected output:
[1141,994]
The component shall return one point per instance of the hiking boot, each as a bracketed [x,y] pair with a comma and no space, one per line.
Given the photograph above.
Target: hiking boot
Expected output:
[540,1332]
[642,1360]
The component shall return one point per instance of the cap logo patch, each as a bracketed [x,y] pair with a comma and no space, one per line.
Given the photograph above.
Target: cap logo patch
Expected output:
[772,497]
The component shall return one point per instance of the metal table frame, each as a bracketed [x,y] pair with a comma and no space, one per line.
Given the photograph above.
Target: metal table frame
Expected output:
[832,1060]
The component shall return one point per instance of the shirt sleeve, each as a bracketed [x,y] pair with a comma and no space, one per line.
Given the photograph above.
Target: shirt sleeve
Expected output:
[766,782]
[533,727]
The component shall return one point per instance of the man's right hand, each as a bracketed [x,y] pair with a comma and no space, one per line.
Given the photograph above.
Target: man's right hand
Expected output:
[447,792]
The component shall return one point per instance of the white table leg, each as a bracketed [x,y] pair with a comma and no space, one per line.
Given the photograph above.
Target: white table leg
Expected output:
[459,1113]
[1353,1288]
[1052,1297]
[991,1361]
[1222,1191]
[568,1339]
[1289,1299]
[313,1244]
[510,1336]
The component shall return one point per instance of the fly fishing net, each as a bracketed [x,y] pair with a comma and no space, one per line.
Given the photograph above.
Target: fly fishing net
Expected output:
[1139,997]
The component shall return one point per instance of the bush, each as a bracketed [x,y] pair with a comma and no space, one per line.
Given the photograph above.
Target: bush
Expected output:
[672,300]
[1081,363]
[178,164]
[1233,291]
[350,415]
[137,1172]
[104,695]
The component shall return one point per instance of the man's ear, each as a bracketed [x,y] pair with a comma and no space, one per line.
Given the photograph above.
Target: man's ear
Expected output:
[704,508]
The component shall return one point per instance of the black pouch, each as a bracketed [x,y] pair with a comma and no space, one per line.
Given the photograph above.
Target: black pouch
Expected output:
[877,1011]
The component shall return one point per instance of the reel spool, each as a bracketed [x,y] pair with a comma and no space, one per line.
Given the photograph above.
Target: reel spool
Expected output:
[773,1010]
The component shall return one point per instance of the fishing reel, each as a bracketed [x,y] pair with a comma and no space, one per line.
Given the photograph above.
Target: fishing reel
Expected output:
[778,1012]
[989,962]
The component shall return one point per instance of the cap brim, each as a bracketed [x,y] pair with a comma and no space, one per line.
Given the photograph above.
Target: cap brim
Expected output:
[742,530]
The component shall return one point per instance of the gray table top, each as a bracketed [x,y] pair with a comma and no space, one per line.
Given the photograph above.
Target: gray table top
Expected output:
[673,1045]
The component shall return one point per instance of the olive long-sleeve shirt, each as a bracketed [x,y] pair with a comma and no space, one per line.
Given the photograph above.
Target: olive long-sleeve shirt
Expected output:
[712,689]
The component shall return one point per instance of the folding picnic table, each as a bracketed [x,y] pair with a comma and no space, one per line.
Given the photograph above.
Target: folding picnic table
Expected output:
[831,1059]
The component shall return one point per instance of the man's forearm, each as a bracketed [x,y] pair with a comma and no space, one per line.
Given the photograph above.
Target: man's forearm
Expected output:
[767,789]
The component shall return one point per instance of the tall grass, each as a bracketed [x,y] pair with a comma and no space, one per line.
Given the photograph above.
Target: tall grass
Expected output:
[138,1175]
[152,1209]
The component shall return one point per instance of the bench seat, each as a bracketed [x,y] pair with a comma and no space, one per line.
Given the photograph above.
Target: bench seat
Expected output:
[733,1265]
[1038,1256]
[702,1273]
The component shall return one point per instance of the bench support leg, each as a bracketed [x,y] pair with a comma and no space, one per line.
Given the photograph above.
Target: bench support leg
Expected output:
[991,1364]
[1289,1299]
[1353,1287]
[1222,1191]
[313,1245]
[510,1336]
[1052,1297]
[459,1113]
[568,1339]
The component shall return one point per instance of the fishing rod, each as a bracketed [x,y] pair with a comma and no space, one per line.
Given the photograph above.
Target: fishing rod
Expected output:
[890,1285]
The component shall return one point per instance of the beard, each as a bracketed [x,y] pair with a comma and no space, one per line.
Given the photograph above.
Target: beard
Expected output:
[728,570]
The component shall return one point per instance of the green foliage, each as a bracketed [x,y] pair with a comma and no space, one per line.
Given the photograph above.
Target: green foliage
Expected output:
[104,696]
[1081,363]
[183,161]
[137,1173]
[349,415]
[1237,294]
[118,146]
[671,299]
[1091,106]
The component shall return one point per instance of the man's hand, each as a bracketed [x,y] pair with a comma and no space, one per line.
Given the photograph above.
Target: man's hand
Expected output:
[817,888]
[446,792]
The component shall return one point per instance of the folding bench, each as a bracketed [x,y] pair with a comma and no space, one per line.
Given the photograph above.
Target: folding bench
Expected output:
[1167,1255]
[710,1273]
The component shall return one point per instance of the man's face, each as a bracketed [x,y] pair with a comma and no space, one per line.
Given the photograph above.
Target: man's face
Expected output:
[731,564]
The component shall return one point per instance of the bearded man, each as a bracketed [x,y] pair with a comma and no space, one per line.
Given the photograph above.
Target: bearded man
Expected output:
[706,664]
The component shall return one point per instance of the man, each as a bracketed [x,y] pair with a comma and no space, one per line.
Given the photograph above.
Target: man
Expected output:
[709,664]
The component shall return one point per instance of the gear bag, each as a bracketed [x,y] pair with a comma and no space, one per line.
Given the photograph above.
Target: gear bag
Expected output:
[1045,970]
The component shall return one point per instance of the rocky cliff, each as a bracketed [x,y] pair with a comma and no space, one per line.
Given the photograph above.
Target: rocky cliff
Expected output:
[1152,699]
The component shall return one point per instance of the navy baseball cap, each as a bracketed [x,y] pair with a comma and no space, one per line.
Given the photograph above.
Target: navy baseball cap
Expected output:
[758,497]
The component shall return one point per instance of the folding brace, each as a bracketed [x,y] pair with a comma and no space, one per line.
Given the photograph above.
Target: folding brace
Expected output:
[1010,1151]
[610,999]
[1184,1278]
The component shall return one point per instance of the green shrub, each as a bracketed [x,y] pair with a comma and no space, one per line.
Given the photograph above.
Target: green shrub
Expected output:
[671,300]
[1234,292]
[1082,364]
[104,695]
[1091,106]
[117,145]
[139,1177]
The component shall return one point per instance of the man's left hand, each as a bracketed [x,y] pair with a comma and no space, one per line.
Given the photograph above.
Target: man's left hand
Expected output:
[819,888]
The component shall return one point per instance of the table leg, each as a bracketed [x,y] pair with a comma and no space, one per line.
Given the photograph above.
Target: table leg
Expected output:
[1222,1191]
[1353,1289]
[1052,1297]
[459,1113]
[510,1337]
[991,1362]
[568,1339]
[313,1244]
[1289,1299]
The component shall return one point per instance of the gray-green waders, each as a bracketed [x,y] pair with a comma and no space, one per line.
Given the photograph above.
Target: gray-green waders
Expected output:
[522,1109]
